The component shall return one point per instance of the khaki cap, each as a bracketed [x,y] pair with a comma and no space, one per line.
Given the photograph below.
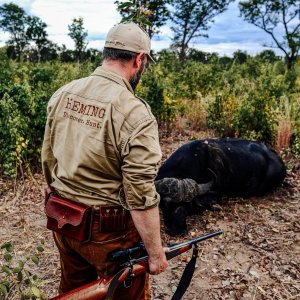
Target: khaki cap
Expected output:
[130,37]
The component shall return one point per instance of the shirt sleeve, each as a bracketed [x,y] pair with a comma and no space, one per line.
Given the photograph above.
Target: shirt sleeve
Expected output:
[48,159]
[141,157]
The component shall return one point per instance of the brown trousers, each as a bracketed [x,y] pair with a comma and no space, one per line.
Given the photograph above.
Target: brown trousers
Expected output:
[82,263]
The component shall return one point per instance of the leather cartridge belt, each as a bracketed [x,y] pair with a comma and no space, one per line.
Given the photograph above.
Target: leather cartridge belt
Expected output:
[76,219]
[111,218]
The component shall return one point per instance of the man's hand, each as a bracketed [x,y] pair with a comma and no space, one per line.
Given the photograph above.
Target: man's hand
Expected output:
[158,264]
[147,223]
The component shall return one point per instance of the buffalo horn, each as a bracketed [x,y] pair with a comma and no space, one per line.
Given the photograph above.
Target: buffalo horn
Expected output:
[181,190]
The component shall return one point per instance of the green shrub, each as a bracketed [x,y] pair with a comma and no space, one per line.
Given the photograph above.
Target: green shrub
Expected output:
[17,280]
[249,107]
[23,101]
[235,97]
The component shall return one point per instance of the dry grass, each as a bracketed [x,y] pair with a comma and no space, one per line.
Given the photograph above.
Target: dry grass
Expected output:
[284,133]
[257,257]
[193,115]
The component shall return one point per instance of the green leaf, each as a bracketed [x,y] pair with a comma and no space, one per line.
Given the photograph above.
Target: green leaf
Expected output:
[6,283]
[3,289]
[7,246]
[20,276]
[21,264]
[17,270]
[4,245]
[35,291]
[124,5]
[6,270]
[40,249]
[125,19]
[35,259]
[8,257]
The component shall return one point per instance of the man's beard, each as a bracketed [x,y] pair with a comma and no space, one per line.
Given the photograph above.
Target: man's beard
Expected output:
[135,79]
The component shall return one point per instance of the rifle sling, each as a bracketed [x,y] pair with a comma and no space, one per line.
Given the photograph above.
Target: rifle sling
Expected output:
[113,284]
[186,276]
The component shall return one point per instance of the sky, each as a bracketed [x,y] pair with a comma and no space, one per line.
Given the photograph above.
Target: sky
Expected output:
[227,34]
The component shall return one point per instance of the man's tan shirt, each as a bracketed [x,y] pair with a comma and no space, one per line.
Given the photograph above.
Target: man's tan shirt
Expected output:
[101,143]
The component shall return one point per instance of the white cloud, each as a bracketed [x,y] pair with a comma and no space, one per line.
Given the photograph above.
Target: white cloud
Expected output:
[227,34]
[229,48]
[98,17]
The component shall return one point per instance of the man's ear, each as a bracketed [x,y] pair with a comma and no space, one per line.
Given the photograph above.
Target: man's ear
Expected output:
[138,60]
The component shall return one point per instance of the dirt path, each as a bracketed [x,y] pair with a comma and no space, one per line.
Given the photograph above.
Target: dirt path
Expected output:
[257,257]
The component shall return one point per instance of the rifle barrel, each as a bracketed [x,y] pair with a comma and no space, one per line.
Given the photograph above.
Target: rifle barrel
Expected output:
[178,248]
[197,239]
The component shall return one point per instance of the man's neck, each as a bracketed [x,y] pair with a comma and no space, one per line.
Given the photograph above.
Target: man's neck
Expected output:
[118,68]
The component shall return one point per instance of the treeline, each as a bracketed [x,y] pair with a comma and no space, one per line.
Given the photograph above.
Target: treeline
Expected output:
[29,38]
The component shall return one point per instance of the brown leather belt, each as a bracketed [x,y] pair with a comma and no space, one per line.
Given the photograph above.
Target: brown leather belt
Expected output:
[107,218]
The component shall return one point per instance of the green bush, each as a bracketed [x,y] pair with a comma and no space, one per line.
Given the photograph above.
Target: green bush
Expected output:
[24,95]
[235,97]
[17,280]
[249,107]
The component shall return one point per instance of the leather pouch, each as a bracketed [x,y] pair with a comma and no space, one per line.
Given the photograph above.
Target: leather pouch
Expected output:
[70,218]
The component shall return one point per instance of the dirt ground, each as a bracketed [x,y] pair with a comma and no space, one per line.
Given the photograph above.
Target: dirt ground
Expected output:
[257,256]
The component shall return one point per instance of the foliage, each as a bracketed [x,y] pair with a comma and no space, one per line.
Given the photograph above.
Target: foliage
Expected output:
[13,20]
[36,32]
[155,11]
[241,96]
[134,11]
[191,19]
[24,94]
[250,107]
[78,34]
[271,15]
[17,278]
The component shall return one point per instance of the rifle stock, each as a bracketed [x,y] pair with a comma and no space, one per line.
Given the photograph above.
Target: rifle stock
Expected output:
[98,289]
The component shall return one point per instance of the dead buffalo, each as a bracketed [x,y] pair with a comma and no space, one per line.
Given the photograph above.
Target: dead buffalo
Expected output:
[199,173]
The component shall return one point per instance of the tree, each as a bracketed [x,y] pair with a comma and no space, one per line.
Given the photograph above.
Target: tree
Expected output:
[78,34]
[272,16]
[267,55]
[155,12]
[13,20]
[190,17]
[240,56]
[204,57]
[36,32]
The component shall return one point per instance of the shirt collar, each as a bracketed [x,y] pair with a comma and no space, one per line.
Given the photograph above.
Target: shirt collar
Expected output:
[112,75]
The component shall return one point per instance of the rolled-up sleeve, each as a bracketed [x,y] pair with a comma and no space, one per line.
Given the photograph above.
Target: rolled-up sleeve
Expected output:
[141,157]
[47,157]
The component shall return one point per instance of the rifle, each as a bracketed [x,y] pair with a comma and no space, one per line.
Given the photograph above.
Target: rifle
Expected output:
[132,267]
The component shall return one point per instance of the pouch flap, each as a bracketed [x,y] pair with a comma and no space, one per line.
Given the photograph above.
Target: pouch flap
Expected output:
[65,212]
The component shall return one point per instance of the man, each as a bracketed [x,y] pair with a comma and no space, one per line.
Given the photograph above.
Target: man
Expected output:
[101,148]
